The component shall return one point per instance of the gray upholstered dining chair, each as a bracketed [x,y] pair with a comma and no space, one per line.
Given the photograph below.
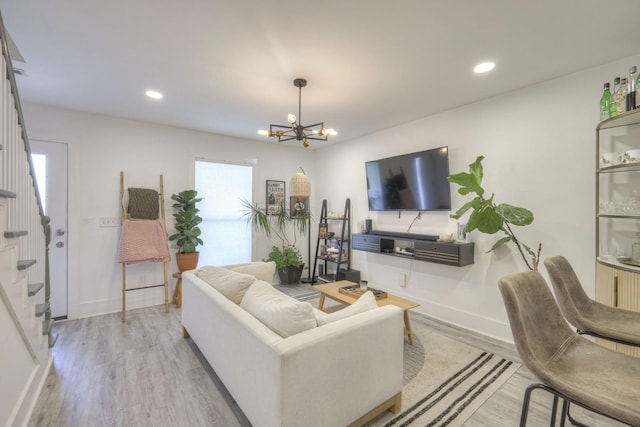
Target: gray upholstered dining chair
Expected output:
[568,365]
[589,316]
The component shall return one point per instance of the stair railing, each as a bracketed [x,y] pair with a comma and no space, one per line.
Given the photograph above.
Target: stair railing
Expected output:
[24,211]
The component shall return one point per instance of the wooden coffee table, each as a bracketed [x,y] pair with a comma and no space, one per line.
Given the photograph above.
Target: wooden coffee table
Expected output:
[332,290]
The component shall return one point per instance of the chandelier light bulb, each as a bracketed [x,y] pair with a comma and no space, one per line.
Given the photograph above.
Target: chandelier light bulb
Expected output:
[291,118]
[263,132]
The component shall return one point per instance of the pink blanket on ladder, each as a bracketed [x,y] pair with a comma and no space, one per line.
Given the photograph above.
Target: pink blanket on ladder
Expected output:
[143,240]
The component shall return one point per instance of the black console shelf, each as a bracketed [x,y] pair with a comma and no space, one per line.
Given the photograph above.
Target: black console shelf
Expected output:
[424,248]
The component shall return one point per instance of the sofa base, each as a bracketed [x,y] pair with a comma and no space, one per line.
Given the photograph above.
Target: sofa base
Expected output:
[394,404]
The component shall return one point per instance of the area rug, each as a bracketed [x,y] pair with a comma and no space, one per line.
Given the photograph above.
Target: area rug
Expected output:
[445,381]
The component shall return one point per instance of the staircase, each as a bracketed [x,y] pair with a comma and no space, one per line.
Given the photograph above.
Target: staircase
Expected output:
[25,315]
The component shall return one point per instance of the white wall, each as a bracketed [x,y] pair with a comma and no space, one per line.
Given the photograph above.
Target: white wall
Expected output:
[539,145]
[99,148]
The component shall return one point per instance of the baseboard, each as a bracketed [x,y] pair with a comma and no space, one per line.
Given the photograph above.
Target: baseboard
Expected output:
[481,325]
[31,393]
[135,299]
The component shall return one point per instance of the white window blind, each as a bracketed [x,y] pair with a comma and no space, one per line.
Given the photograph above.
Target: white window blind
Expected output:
[226,235]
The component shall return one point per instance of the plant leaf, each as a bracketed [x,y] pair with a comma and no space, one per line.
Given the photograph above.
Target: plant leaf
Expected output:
[500,242]
[485,220]
[463,209]
[469,182]
[533,254]
[514,215]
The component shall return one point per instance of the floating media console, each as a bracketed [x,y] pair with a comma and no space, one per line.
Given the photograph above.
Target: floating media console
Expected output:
[420,247]
[405,236]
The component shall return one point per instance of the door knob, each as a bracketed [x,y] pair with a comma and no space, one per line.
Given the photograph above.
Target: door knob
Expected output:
[60,232]
[59,245]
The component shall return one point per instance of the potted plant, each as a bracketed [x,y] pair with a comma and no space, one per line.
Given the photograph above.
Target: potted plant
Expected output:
[289,262]
[489,217]
[187,235]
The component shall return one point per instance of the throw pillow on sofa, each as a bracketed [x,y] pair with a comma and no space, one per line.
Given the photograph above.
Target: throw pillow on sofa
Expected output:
[279,312]
[366,302]
[229,283]
[260,270]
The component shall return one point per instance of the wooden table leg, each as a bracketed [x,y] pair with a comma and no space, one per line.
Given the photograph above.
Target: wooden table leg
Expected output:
[321,302]
[177,292]
[407,326]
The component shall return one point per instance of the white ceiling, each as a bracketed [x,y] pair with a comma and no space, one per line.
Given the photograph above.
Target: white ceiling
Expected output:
[227,66]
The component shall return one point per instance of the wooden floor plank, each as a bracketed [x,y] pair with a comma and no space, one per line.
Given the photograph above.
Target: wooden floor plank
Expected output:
[143,372]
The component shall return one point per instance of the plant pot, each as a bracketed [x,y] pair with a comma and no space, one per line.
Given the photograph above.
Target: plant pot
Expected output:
[290,275]
[187,261]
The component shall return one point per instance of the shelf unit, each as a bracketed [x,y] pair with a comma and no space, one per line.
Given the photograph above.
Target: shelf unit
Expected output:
[338,257]
[617,218]
[420,248]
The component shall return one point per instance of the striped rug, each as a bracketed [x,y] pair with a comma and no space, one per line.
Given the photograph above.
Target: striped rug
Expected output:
[454,381]
[445,381]
[446,403]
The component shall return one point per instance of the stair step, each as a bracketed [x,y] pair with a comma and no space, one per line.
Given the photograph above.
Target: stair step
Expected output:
[34,288]
[53,339]
[41,308]
[23,264]
[46,326]
[8,194]
[12,234]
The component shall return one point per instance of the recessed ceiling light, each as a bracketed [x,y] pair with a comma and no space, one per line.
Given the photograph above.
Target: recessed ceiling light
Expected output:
[484,67]
[154,94]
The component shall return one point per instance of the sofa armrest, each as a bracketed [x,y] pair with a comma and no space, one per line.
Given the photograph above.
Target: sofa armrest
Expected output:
[333,374]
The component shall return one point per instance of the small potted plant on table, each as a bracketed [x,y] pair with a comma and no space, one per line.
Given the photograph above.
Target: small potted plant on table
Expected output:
[289,262]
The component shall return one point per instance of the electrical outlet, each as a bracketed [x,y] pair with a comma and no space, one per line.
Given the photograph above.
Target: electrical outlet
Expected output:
[109,222]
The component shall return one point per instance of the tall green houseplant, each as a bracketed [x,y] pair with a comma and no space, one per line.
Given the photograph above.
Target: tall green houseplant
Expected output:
[187,235]
[287,257]
[489,217]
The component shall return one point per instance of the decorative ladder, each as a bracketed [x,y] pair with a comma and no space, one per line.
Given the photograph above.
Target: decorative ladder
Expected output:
[25,313]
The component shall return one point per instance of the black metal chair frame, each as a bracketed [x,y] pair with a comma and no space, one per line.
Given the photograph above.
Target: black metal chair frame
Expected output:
[554,410]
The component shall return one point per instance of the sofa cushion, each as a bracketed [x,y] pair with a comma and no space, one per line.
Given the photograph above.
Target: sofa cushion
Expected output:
[366,302]
[229,283]
[260,270]
[277,311]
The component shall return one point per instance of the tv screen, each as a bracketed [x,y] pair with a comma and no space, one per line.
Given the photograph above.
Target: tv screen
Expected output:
[413,182]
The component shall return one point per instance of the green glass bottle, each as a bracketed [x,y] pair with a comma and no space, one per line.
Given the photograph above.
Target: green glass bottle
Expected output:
[605,103]
[638,91]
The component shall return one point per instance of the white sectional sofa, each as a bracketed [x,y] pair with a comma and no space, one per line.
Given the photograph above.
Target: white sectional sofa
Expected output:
[345,371]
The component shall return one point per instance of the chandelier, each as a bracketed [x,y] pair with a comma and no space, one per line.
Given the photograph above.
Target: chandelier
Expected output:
[295,130]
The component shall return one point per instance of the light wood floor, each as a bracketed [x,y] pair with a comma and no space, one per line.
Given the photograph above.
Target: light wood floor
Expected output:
[143,373]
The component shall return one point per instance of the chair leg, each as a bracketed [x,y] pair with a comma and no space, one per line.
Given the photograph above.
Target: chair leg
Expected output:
[572,420]
[525,404]
[554,411]
[565,410]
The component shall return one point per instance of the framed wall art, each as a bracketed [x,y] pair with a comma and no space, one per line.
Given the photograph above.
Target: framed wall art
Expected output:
[275,197]
[461,235]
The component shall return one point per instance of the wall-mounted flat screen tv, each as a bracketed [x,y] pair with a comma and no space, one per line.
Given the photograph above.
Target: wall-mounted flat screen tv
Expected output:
[412,182]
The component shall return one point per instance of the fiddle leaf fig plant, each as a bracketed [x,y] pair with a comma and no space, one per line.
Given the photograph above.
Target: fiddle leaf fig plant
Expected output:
[491,218]
[187,235]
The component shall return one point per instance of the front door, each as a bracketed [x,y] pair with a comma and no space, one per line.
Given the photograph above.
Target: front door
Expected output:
[54,194]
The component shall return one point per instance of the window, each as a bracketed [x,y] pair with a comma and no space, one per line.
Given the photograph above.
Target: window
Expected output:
[225,232]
